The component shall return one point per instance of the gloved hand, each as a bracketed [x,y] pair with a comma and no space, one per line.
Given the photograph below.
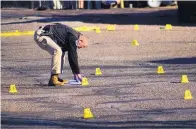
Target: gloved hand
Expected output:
[78,77]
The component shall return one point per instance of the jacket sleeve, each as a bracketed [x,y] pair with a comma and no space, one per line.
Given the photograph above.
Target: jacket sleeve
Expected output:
[72,55]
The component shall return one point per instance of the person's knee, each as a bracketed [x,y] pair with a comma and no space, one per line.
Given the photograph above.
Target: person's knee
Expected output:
[58,52]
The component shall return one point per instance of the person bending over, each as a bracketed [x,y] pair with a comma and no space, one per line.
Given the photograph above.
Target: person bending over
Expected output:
[57,39]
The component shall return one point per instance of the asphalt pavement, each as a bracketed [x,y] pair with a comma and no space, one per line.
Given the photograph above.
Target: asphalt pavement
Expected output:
[129,93]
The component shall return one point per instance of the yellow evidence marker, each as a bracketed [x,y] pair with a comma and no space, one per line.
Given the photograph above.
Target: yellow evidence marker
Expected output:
[136,27]
[98,30]
[184,79]
[135,43]
[187,95]
[85,82]
[13,88]
[98,71]
[168,26]
[87,113]
[160,70]
[111,27]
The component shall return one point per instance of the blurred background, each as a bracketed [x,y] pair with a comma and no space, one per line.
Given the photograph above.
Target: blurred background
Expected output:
[186,9]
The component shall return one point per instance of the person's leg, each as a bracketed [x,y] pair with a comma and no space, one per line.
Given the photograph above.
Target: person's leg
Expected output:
[62,64]
[89,4]
[57,59]
[74,5]
[82,4]
[46,43]
[79,4]
[62,61]
[56,53]
[98,4]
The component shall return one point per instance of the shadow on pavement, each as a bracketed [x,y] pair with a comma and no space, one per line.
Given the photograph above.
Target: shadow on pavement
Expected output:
[35,73]
[160,17]
[22,122]
[191,60]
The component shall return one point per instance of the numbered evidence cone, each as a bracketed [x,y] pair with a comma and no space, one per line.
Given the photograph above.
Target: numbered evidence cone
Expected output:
[87,113]
[168,26]
[187,95]
[135,43]
[136,27]
[98,71]
[85,82]
[111,27]
[160,70]
[184,79]
[13,88]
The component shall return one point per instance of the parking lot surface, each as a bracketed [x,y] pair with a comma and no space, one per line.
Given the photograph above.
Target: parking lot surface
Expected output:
[129,93]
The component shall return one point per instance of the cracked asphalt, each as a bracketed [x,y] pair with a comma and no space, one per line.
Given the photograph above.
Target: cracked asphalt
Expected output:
[129,94]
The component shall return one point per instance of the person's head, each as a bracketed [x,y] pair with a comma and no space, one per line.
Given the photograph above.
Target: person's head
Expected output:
[82,41]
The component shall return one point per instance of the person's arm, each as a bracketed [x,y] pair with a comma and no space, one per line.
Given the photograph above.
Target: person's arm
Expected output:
[73,61]
[72,55]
